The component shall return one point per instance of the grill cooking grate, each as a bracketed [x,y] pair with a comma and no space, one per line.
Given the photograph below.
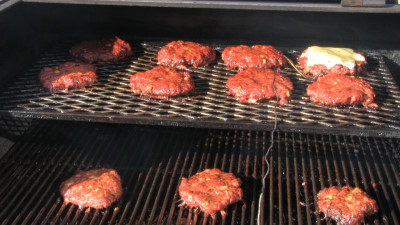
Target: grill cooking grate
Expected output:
[151,162]
[112,101]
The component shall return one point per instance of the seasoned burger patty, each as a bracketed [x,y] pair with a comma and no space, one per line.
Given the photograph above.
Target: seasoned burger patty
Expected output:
[346,205]
[254,84]
[258,56]
[182,53]
[105,50]
[94,188]
[211,190]
[162,81]
[319,61]
[68,75]
[336,89]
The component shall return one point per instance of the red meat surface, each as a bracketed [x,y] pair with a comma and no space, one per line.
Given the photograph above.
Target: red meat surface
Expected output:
[94,188]
[254,84]
[346,205]
[334,89]
[256,56]
[105,50]
[211,190]
[68,75]
[179,54]
[162,81]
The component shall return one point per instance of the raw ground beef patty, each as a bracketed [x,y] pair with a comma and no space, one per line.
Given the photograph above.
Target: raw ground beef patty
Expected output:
[211,190]
[162,81]
[254,84]
[94,188]
[336,89]
[105,50]
[319,61]
[182,53]
[346,205]
[68,75]
[258,56]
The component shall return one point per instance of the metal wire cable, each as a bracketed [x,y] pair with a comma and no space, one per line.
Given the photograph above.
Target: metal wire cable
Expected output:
[268,150]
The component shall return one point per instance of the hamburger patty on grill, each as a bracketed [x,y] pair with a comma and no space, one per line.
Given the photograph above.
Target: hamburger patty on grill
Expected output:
[258,56]
[179,54]
[68,75]
[105,50]
[162,81]
[94,188]
[254,84]
[211,190]
[346,205]
[319,61]
[336,89]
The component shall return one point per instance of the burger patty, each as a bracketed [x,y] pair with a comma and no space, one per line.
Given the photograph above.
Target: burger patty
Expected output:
[105,50]
[325,64]
[68,75]
[179,54]
[346,205]
[337,89]
[162,81]
[94,188]
[254,84]
[258,56]
[211,190]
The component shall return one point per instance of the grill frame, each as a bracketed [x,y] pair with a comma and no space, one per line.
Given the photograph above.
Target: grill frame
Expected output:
[211,107]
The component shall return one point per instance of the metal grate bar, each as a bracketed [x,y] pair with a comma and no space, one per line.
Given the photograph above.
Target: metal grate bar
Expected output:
[112,101]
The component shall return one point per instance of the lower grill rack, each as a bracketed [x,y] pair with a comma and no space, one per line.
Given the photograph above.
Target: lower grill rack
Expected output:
[111,100]
[152,160]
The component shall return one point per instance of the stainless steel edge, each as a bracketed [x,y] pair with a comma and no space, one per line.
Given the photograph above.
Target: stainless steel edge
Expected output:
[244,5]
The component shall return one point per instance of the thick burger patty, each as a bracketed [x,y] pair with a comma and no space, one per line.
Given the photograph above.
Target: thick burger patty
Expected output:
[254,84]
[334,89]
[346,205]
[68,75]
[332,60]
[211,190]
[162,81]
[94,188]
[179,54]
[105,50]
[258,56]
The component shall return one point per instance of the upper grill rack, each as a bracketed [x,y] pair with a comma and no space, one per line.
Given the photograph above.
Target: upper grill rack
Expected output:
[111,100]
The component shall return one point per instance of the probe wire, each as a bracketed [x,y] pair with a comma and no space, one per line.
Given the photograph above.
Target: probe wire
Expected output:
[268,151]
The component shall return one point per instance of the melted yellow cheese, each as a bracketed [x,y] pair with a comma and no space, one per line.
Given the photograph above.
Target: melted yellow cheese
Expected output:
[329,56]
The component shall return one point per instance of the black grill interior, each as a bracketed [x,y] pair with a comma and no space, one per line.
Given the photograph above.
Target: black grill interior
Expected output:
[316,146]
[111,100]
[152,160]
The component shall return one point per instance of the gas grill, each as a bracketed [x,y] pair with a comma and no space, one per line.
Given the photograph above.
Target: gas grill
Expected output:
[153,143]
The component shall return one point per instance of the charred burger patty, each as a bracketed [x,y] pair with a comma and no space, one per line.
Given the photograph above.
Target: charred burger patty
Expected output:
[211,190]
[94,188]
[68,75]
[162,81]
[256,56]
[336,89]
[179,54]
[254,84]
[346,205]
[105,50]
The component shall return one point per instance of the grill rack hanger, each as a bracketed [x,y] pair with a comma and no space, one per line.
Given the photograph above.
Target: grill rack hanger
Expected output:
[211,106]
